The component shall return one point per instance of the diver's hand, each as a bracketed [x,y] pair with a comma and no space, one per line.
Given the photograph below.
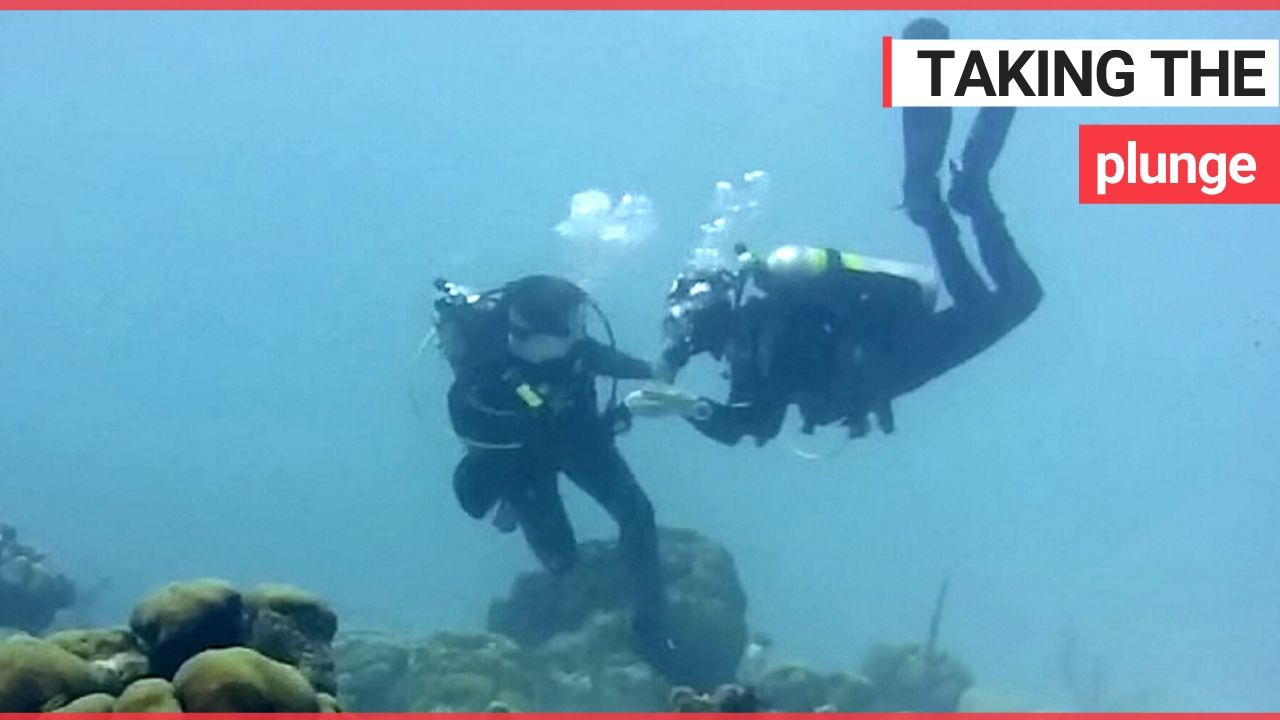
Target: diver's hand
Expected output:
[664,372]
[666,400]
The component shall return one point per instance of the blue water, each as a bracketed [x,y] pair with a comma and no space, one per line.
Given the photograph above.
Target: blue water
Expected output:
[217,233]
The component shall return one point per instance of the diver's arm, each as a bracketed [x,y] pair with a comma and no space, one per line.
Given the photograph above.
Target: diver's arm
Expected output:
[674,356]
[606,360]
[727,423]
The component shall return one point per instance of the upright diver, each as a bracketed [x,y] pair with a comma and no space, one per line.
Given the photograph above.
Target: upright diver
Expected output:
[840,335]
[524,403]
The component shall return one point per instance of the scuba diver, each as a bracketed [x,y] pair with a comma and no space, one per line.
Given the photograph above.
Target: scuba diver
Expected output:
[841,335]
[524,403]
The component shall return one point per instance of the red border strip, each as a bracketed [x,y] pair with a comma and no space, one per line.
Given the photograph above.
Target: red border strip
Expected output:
[886,65]
[638,5]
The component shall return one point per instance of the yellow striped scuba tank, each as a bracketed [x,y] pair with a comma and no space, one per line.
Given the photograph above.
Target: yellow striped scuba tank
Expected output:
[827,273]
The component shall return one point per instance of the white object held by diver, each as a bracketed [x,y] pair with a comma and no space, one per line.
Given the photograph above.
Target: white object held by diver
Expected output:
[664,400]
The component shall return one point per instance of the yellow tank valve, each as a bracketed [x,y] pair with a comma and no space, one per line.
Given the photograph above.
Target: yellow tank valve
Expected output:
[529,396]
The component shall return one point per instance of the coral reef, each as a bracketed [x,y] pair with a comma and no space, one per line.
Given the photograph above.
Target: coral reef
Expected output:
[467,672]
[181,619]
[95,703]
[895,678]
[908,678]
[328,703]
[706,604]
[116,651]
[32,592]
[242,680]
[554,644]
[729,698]
[448,671]
[594,668]
[37,675]
[294,627]
[793,688]
[372,668]
[267,650]
[591,668]
[155,695]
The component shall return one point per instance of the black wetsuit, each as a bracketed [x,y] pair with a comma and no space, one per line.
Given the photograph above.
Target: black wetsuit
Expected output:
[844,366]
[517,450]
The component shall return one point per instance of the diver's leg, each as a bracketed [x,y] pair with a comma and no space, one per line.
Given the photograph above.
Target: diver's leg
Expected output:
[537,504]
[924,134]
[1016,285]
[600,470]
[949,338]
[985,141]
[479,480]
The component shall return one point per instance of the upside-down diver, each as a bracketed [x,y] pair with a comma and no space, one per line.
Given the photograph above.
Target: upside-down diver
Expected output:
[840,335]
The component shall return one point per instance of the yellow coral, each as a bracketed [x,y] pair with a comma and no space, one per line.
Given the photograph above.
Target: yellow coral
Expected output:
[149,695]
[36,675]
[242,680]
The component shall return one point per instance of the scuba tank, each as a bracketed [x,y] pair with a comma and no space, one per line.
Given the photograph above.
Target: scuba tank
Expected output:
[826,276]
[466,326]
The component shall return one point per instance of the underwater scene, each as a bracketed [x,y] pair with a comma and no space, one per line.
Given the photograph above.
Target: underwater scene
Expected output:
[614,361]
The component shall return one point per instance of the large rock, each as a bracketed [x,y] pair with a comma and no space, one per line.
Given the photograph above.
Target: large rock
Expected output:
[182,619]
[242,680]
[706,614]
[294,627]
[37,676]
[32,591]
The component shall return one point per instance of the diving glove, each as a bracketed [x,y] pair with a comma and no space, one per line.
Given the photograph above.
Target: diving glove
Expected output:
[664,400]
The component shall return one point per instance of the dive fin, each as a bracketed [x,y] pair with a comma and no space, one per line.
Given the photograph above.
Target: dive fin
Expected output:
[924,134]
[970,190]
